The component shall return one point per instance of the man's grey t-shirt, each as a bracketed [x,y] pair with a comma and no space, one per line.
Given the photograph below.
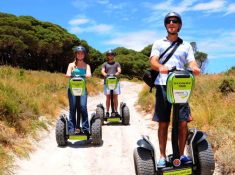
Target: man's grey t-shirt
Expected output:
[111,68]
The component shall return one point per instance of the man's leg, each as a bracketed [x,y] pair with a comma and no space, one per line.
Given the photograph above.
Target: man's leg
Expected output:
[162,137]
[115,101]
[107,102]
[183,133]
[162,116]
[107,105]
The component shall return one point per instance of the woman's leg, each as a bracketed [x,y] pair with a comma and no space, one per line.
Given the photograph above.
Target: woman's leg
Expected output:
[72,111]
[85,122]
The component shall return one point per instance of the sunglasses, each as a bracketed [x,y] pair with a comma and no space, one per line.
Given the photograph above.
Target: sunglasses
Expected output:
[174,21]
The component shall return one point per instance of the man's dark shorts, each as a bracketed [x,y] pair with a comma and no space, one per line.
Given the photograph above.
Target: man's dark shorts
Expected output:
[162,111]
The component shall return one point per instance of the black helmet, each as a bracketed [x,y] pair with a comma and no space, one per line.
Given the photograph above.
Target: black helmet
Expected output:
[173,14]
[110,52]
[79,49]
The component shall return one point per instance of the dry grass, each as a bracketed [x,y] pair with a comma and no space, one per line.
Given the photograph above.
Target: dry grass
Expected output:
[213,111]
[29,101]
[146,99]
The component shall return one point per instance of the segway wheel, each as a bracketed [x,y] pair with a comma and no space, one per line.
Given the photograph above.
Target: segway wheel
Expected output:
[100,114]
[96,131]
[144,163]
[125,116]
[205,159]
[61,138]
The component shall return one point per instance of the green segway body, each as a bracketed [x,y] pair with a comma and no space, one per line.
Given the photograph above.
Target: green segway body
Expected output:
[111,82]
[179,86]
[78,137]
[77,86]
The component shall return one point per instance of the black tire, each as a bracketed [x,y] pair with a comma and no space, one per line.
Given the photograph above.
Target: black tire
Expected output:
[100,113]
[144,163]
[205,159]
[125,115]
[96,131]
[61,138]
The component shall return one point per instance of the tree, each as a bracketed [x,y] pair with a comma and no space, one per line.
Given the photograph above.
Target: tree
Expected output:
[32,44]
[147,50]
[200,57]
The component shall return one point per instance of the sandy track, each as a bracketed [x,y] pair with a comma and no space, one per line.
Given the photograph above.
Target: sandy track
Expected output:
[114,156]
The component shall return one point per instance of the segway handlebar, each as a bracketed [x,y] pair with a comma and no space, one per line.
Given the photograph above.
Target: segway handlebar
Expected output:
[110,75]
[78,76]
[175,69]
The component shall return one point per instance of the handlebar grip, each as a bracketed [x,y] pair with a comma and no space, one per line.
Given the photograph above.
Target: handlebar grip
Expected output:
[172,69]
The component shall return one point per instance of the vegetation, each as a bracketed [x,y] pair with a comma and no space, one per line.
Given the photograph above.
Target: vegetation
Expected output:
[213,110]
[29,100]
[132,63]
[28,43]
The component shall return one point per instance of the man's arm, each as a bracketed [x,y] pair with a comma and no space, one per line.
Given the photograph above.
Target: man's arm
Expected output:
[155,65]
[103,71]
[118,71]
[194,67]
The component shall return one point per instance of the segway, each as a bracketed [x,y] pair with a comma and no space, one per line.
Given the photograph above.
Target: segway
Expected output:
[179,88]
[111,83]
[77,86]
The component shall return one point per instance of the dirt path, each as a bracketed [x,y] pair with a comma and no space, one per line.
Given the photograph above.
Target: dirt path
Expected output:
[114,157]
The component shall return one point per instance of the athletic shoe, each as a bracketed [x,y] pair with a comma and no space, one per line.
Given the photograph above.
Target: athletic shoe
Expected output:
[161,163]
[117,115]
[71,132]
[107,115]
[185,159]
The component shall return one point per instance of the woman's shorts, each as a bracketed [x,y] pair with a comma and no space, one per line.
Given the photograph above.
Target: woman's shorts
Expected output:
[162,111]
[116,91]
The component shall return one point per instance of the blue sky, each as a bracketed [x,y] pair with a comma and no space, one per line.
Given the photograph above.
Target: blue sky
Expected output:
[134,24]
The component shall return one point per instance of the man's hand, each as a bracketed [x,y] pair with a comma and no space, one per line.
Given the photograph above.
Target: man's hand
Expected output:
[117,73]
[194,67]
[163,69]
[196,70]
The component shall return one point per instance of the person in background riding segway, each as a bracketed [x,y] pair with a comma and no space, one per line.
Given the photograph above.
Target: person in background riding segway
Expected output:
[78,67]
[111,68]
[182,56]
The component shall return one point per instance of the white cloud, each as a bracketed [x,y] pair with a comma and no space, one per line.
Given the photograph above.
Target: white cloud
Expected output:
[161,9]
[230,9]
[82,4]
[83,25]
[78,21]
[213,6]
[103,1]
[100,28]
[76,30]
[221,46]
[136,40]
[232,34]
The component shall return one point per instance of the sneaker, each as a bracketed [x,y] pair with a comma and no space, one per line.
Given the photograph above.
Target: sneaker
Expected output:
[86,132]
[161,163]
[107,115]
[116,114]
[185,159]
[71,132]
